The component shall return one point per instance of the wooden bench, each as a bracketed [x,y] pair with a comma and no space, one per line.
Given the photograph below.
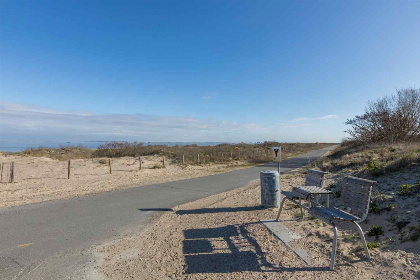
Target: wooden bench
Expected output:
[355,199]
[313,178]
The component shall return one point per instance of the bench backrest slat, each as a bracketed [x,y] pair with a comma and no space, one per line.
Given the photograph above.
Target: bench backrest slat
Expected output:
[355,194]
[315,178]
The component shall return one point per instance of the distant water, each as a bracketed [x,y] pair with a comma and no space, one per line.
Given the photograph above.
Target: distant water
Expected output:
[6,146]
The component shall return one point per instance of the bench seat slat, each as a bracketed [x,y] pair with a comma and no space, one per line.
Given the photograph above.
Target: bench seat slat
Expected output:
[330,214]
[290,195]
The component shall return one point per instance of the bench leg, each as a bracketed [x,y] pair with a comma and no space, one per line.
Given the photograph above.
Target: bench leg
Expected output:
[281,207]
[301,210]
[334,248]
[362,236]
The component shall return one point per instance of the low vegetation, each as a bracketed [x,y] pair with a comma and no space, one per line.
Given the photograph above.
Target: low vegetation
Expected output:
[63,153]
[372,159]
[375,231]
[189,154]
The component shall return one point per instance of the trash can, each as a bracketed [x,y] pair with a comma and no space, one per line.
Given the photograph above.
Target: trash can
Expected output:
[270,189]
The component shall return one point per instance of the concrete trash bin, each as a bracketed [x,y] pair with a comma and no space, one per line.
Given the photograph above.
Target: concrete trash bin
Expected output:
[270,189]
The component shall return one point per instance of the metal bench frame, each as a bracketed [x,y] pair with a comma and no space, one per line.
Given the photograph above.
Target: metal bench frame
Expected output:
[355,198]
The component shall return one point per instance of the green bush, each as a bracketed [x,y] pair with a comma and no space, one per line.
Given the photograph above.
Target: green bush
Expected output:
[390,206]
[375,231]
[405,190]
[372,245]
[374,168]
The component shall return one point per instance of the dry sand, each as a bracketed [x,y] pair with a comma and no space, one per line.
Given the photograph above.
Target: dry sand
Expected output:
[40,178]
[220,237]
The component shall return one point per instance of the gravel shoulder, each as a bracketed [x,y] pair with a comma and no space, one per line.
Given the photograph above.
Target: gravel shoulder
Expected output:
[220,237]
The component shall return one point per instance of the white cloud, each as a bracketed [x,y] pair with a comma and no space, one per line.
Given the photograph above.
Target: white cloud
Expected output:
[209,96]
[313,119]
[28,122]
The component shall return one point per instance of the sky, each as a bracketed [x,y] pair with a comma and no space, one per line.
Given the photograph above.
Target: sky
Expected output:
[222,71]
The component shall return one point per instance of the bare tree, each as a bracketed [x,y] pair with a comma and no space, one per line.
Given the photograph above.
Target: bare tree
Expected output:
[391,119]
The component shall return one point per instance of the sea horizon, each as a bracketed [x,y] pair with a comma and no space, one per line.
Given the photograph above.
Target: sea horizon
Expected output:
[18,146]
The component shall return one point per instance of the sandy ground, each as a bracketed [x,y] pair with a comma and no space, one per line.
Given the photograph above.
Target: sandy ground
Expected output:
[40,179]
[220,237]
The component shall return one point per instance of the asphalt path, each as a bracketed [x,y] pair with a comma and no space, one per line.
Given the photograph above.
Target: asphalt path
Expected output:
[56,239]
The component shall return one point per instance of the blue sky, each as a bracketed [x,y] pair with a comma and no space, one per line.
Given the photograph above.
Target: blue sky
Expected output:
[200,70]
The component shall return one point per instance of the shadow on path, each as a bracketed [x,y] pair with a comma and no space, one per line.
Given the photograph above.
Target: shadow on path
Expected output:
[228,249]
[205,210]
[218,210]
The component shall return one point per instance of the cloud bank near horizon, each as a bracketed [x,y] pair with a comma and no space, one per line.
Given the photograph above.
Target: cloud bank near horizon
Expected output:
[20,122]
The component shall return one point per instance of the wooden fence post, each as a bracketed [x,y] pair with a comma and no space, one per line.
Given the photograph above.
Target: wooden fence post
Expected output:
[163,162]
[198,158]
[110,167]
[12,169]
[183,159]
[2,167]
[68,169]
[139,163]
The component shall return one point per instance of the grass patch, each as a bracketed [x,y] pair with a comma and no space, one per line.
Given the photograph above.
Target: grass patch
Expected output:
[372,245]
[299,216]
[63,153]
[373,159]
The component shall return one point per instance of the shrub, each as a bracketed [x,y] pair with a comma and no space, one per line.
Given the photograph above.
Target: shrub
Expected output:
[373,165]
[337,194]
[331,186]
[405,190]
[416,234]
[375,169]
[372,245]
[375,231]
[374,208]
[390,206]
[389,119]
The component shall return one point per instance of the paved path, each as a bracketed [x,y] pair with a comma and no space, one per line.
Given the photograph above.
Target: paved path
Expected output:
[56,240]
